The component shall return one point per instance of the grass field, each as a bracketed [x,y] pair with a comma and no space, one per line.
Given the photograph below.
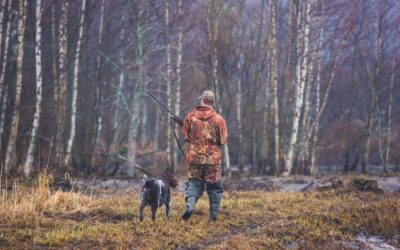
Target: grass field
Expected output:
[37,217]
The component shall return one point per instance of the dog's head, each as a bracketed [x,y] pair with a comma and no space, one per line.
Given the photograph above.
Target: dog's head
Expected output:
[170,179]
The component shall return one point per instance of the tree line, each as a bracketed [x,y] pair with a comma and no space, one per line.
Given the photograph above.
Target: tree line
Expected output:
[300,83]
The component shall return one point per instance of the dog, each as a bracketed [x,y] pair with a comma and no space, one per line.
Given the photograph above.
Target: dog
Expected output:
[155,193]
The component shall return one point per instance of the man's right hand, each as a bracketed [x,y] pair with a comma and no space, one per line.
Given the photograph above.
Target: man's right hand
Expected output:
[178,121]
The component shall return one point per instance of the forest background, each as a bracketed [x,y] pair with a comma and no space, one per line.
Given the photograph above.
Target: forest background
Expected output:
[302,84]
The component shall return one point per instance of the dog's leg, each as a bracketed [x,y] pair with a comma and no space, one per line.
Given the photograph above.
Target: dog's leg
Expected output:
[168,202]
[153,211]
[167,208]
[142,205]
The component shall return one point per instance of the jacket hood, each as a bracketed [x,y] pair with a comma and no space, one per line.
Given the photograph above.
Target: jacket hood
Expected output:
[204,113]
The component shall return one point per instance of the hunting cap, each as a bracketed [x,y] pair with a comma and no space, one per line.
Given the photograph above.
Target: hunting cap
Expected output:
[208,96]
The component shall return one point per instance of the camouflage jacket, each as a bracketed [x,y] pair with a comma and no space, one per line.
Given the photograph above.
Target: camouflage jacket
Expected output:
[205,131]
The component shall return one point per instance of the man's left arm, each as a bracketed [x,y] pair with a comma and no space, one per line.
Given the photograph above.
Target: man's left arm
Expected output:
[186,129]
[222,132]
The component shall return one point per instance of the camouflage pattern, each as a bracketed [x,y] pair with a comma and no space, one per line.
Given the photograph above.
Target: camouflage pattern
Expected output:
[207,173]
[205,131]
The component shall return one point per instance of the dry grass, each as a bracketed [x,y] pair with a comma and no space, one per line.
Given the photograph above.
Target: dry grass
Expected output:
[38,217]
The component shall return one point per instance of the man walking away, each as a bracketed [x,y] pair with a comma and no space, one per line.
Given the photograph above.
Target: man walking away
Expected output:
[205,131]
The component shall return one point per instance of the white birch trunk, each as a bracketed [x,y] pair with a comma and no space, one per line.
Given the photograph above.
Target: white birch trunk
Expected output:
[54,48]
[168,82]
[3,88]
[2,10]
[98,91]
[239,90]
[75,87]
[299,98]
[15,117]
[179,54]
[158,123]
[239,111]
[274,77]
[3,113]
[135,103]
[3,4]
[62,82]
[313,167]
[134,121]
[38,66]
[144,121]
[117,111]
[389,123]
[304,143]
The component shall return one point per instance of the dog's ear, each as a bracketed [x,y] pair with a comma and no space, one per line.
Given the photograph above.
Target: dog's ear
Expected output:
[145,178]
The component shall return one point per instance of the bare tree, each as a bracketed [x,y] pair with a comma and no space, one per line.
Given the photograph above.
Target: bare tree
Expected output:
[373,88]
[99,121]
[274,77]
[299,91]
[178,82]
[239,101]
[168,78]
[4,42]
[385,155]
[318,62]
[10,149]
[62,83]
[75,87]
[38,65]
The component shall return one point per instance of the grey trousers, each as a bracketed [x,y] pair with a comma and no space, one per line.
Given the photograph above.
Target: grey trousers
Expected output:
[214,190]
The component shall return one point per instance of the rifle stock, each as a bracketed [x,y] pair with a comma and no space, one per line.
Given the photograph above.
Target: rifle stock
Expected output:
[174,117]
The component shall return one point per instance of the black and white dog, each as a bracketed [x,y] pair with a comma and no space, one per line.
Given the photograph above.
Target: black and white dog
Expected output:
[155,193]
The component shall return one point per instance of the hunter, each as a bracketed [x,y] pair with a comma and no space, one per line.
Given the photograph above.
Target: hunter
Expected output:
[205,131]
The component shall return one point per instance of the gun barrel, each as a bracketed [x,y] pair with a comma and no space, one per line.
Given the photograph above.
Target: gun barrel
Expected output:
[163,105]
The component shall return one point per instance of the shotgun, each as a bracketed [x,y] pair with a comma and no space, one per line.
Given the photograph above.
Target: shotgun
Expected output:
[174,117]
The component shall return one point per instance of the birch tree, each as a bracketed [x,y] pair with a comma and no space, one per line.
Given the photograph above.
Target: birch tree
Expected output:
[313,168]
[168,81]
[75,87]
[372,86]
[274,77]
[2,10]
[385,155]
[134,107]
[117,115]
[259,146]
[38,66]
[299,91]
[5,41]
[62,82]
[99,121]
[178,82]
[10,149]
[239,101]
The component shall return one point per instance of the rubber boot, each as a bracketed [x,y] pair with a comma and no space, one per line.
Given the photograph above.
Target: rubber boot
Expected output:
[214,191]
[190,203]
[214,210]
